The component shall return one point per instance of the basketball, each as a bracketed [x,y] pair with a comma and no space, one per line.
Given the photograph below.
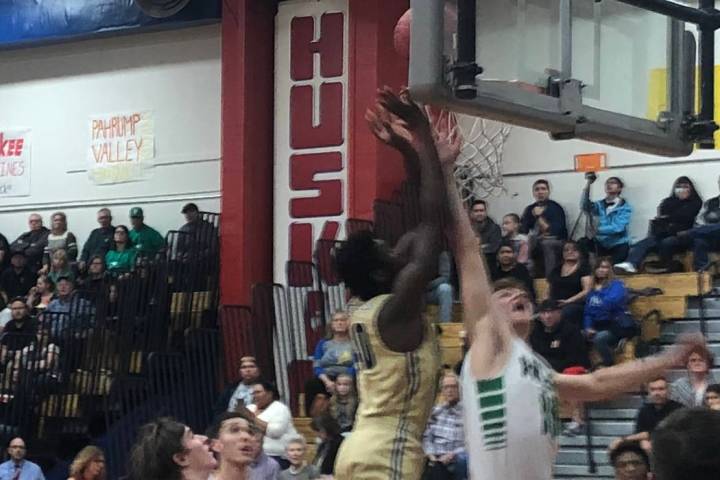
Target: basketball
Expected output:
[401,37]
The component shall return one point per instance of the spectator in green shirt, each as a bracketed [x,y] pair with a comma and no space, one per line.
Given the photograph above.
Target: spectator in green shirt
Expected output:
[121,259]
[146,240]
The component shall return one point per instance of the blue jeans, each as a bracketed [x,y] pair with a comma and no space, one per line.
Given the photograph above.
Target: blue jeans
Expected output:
[605,342]
[704,239]
[665,247]
[442,296]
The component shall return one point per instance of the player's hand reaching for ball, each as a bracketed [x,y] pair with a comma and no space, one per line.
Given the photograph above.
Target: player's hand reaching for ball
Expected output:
[448,147]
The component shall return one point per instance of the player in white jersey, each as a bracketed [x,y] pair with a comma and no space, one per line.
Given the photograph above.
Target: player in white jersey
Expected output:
[510,394]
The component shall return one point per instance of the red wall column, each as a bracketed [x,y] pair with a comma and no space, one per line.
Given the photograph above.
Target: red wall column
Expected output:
[248,35]
[374,170]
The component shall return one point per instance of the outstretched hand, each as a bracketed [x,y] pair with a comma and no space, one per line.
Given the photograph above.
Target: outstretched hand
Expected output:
[448,146]
[388,129]
[398,121]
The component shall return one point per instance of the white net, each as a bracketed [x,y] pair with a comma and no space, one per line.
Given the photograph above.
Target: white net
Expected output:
[478,169]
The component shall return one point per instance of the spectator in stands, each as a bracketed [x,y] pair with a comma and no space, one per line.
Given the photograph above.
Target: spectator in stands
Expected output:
[690,389]
[570,282]
[507,266]
[32,243]
[121,259]
[519,241]
[630,462]
[18,278]
[262,467]
[485,228]
[557,340]
[231,435]
[344,402]
[168,450]
[100,240]
[241,392]
[59,239]
[712,396]
[89,464]
[607,320]
[41,360]
[201,233]
[60,266]
[94,279]
[705,238]
[4,252]
[272,417]
[440,291]
[676,214]
[20,331]
[68,309]
[658,406]
[444,438]
[612,238]
[298,468]
[544,222]
[145,239]
[40,296]
[686,445]
[333,356]
[17,467]
[328,430]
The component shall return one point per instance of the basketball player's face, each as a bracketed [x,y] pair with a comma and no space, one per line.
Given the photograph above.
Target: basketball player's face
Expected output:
[516,304]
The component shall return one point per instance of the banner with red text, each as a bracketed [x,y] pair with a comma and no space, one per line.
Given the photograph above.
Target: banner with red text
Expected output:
[14,163]
[122,147]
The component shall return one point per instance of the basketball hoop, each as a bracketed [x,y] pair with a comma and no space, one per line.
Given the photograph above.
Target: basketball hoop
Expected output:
[478,168]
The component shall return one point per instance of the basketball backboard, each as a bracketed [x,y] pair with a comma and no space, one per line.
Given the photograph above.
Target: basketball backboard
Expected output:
[604,71]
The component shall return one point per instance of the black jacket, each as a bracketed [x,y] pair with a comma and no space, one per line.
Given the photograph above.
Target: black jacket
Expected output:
[712,211]
[554,215]
[518,272]
[681,213]
[563,347]
[17,285]
[490,235]
[99,242]
[32,244]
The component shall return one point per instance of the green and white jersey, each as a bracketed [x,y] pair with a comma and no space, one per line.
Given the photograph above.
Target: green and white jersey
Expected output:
[511,421]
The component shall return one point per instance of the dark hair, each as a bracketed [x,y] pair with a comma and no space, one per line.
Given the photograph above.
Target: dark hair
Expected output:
[506,243]
[658,378]
[326,423]
[598,262]
[705,354]
[514,216]
[714,388]
[541,181]
[213,431]
[629,446]
[509,282]
[358,261]
[151,458]
[17,299]
[694,195]
[686,445]
[269,387]
[478,202]
[617,180]
[129,242]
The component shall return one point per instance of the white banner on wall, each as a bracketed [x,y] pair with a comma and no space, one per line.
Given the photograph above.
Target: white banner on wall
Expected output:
[122,147]
[15,163]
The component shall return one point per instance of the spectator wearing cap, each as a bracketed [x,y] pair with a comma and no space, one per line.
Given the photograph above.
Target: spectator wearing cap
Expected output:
[146,240]
[557,340]
[32,243]
[100,240]
[121,259]
[199,236]
[18,278]
[612,236]
[59,238]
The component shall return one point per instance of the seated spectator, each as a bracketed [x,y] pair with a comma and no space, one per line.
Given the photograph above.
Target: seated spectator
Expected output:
[166,449]
[558,341]
[333,356]
[712,396]
[231,437]
[657,406]
[42,358]
[507,266]
[241,392]
[486,229]
[607,320]
[686,445]
[60,266]
[32,243]
[121,259]
[17,452]
[344,402]
[41,294]
[144,239]
[18,278]
[100,240]
[676,214]
[444,438]
[68,309]
[93,282]
[544,223]
[330,436]
[59,239]
[202,236]
[4,253]
[272,417]
[570,282]
[262,467]
[520,243]
[690,389]
[630,461]
[612,238]
[298,468]
[20,331]
[705,238]
[89,464]
[440,291]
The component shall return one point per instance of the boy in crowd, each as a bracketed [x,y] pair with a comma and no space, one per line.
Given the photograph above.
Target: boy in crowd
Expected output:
[299,468]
